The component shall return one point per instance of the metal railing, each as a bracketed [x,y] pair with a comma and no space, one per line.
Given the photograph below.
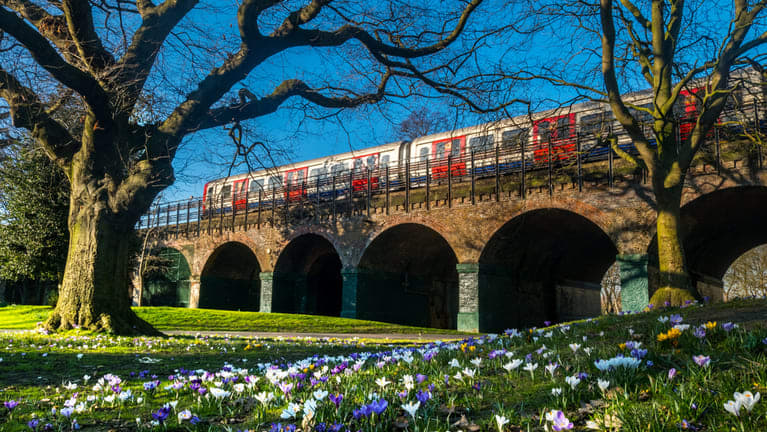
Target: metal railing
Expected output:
[423,183]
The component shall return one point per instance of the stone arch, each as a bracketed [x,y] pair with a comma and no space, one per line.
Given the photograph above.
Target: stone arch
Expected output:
[307,277]
[167,281]
[230,278]
[718,227]
[542,265]
[407,275]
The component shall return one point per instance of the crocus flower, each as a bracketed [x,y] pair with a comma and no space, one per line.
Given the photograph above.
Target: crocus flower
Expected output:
[671,374]
[501,421]
[702,360]
[411,408]
[560,422]
[336,399]
[11,404]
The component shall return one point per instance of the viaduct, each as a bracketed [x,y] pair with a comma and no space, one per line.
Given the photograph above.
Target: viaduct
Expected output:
[510,257]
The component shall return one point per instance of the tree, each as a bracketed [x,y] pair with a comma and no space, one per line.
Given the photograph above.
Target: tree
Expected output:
[34,203]
[118,61]
[422,121]
[747,276]
[671,47]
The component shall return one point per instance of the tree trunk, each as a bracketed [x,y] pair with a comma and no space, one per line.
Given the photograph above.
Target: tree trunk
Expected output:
[94,294]
[675,287]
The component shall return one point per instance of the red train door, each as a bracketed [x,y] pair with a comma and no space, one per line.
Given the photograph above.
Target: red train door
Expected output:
[238,194]
[453,147]
[560,130]
[295,183]
[689,114]
[360,165]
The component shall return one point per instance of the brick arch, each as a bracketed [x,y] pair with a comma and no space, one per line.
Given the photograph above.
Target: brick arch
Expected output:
[262,257]
[327,233]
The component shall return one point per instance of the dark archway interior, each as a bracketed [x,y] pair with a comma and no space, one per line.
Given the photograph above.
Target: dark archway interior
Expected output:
[167,279]
[407,275]
[230,279]
[718,228]
[544,265]
[307,278]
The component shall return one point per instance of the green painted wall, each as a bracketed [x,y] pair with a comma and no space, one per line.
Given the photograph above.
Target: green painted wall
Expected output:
[635,295]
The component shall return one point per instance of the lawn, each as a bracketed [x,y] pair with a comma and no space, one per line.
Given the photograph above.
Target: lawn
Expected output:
[167,318]
[661,370]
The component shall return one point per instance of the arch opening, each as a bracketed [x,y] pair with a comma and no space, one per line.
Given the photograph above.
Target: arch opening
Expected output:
[747,276]
[307,278]
[717,228]
[407,275]
[543,265]
[230,279]
[166,279]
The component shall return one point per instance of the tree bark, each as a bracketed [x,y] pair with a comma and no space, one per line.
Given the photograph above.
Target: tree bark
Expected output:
[94,293]
[675,287]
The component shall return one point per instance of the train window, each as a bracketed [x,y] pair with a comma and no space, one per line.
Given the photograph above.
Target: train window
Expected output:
[592,124]
[211,191]
[372,162]
[481,143]
[514,138]
[439,152]
[300,176]
[564,129]
[385,160]
[358,165]
[256,185]
[275,182]
[338,169]
[544,130]
[424,154]
[227,192]
[318,174]
[455,148]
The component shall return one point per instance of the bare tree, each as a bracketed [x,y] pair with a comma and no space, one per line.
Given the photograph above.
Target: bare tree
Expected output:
[669,46]
[422,121]
[611,290]
[149,75]
[747,276]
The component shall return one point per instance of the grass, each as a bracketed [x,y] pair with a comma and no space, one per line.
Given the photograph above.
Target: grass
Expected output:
[168,318]
[468,385]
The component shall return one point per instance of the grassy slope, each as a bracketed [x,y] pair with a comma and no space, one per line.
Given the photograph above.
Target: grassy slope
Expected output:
[167,318]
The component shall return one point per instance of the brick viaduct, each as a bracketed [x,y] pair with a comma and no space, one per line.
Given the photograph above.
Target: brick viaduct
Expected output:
[502,262]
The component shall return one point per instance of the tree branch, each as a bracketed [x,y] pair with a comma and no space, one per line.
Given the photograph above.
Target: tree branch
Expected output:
[28,112]
[80,24]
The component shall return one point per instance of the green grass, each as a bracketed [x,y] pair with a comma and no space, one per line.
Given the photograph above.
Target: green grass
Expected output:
[168,318]
[35,368]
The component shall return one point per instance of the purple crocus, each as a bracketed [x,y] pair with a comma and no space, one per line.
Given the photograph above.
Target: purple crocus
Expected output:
[161,414]
[675,319]
[33,424]
[379,406]
[558,420]
[699,332]
[728,326]
[11,404]
[336,399]
[702,360]
[671,374]
[423,396]
[419,378]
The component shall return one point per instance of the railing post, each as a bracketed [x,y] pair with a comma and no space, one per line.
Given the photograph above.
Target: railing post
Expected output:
[407,186]
[579,161]
[167,220]
[286,207]
[368,198]
[199,216]
[274,204]
[350,195]
[428,186]
[247,207]
[551,170]
[497,175]
[221,217]
[718,151]
[149,218]
[387,190]
[450,179]
[188,216]
[473,180]
[210,213]
[610,172]
[178,217]
[317,208]
[335,195]
[522,186]
[260,203]
[758,130]
[234,207]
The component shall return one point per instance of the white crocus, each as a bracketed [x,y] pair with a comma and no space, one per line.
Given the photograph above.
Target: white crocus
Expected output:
[512,365]
[531,367]
[747,399]
[501,421]
[573,381]
[603,384]
[382,382]
[556,391]
[411,408]
[574,347]
[454,363]
[320,394]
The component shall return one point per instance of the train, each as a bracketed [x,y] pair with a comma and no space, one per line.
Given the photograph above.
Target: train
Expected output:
[525,142]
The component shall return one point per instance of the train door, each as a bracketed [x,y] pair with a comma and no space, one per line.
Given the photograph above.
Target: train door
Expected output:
[560,132]
[687,113]
[239,188]
[361,166]
[453,147]
[295,183]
